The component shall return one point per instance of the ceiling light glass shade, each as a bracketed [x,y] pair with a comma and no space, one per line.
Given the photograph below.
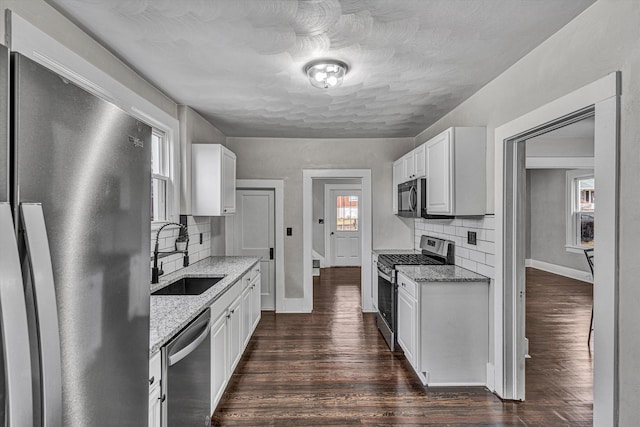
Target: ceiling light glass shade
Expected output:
[327,73]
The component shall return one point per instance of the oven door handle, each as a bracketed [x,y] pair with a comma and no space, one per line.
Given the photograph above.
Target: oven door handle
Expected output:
[385,276]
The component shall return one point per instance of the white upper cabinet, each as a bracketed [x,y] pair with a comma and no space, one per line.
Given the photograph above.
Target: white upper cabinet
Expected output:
[410,166]
[456,170]
[419,161]
[213,186]
[398,175]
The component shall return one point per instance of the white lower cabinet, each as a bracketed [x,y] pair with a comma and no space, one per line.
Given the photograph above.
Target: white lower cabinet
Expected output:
[251,302]
[247,313]
[374,280]
[256,299]
[238,315]
[235,333]
[443,329]
[407,322]
[155,391]
[219,359]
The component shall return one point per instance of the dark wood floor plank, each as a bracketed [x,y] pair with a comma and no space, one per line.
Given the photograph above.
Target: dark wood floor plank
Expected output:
[332,367]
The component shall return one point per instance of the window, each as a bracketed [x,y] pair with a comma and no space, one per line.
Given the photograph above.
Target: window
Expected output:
[159,175]
[581,209]
[347,213]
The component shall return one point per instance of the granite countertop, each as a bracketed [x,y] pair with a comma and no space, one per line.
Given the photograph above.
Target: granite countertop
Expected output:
[440,273]
[170,313]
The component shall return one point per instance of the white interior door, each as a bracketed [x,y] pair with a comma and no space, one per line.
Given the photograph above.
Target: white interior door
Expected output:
[251,232]
[344,227]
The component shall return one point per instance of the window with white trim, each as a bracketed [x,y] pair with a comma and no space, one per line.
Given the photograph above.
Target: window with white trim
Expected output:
[160,179]
[580,209]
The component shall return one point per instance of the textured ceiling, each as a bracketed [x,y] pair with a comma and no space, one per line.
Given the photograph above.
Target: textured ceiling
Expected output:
[240,63]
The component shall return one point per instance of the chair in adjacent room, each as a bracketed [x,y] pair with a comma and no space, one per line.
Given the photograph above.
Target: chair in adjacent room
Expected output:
[589,254]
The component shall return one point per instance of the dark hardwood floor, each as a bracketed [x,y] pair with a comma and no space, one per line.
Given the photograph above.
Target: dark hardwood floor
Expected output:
[332,367]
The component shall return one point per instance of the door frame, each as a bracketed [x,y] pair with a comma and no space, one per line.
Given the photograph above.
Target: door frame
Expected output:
[603,96]
[277,185]
[327,213]
[307,233]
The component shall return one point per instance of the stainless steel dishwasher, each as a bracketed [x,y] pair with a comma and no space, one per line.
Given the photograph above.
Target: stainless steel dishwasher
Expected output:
[187,369]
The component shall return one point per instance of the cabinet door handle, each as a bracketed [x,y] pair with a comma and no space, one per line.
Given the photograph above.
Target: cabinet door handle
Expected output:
[151,380]
[162,398]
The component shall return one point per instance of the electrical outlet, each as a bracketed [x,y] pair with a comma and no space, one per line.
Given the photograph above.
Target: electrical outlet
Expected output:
[200,238]
[471,237]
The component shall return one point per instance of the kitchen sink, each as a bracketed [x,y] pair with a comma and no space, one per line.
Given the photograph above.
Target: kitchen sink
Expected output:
[189,286]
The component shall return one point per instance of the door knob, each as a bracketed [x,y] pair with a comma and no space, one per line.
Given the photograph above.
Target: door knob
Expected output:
[331,233]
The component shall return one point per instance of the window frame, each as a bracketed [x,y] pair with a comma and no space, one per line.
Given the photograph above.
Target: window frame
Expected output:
[571,243]
[164,172]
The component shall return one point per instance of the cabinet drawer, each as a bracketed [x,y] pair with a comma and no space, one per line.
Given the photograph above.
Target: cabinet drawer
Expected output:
[408,286]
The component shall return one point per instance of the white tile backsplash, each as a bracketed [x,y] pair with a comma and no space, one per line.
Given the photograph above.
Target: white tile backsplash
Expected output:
[197,251]
[478,258]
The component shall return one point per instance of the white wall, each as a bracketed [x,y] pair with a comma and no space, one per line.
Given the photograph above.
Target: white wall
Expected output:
[285,158]
[603,39]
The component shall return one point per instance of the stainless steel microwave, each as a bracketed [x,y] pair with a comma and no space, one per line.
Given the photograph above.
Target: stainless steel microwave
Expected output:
[412,200]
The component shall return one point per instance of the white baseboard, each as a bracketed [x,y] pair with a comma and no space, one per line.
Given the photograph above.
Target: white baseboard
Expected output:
[560,270]
[294,305]
[491,377]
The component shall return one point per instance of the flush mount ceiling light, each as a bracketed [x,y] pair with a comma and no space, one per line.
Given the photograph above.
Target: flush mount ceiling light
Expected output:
[326,73]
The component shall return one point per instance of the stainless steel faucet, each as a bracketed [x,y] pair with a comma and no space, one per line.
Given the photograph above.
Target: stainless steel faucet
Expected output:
[157,272]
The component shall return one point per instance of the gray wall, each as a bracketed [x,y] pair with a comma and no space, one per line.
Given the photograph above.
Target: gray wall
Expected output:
[287,157]
[194,129]
[547,215]
[601,40]
[49,20]
[318,209]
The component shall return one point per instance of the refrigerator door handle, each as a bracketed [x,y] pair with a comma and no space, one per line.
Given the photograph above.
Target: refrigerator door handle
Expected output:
[15,332]
[37,248]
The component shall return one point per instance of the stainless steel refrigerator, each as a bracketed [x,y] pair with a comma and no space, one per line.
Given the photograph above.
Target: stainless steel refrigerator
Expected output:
[74,254]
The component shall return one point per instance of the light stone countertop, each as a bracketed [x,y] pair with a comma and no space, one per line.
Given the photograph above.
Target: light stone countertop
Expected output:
[440,273]
[170,313]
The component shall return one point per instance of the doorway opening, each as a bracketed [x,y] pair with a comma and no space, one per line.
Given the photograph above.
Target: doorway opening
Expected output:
[600,100]
[342,232]
[559,223]
[354,213]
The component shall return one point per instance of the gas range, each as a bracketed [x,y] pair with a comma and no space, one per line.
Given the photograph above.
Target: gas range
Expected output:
[388,262]
[434,251]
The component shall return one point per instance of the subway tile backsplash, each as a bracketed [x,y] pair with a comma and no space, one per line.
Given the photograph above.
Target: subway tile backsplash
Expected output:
[478,258]
[197,251]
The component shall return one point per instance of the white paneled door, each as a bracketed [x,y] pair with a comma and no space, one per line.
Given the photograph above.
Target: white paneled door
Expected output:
[252,231]
[345,231]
